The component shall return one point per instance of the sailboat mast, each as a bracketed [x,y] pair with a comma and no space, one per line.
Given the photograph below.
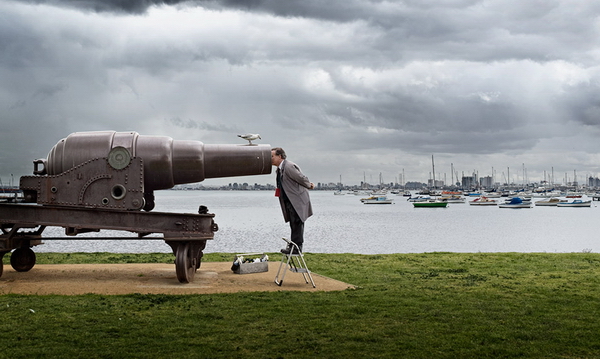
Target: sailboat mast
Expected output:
[433,168]
[403,181]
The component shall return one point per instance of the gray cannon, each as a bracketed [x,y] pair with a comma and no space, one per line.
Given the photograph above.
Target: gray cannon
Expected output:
[102,180]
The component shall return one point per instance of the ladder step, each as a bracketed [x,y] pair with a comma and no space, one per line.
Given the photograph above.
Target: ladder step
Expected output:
[299,270]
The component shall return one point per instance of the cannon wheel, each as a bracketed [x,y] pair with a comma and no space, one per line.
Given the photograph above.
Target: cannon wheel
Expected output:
[22,259]
[185,263]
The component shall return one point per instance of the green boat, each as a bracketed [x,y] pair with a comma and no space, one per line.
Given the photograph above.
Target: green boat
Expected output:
[430,204]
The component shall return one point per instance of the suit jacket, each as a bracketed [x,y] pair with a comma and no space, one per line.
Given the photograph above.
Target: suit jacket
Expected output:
[295,185]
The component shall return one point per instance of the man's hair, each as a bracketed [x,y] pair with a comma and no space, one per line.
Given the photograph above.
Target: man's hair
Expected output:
[279,152]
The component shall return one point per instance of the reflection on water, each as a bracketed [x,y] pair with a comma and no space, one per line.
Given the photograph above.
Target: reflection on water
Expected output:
[252,222]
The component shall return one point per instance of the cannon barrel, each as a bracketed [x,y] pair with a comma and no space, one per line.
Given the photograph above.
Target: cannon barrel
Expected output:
[166,162]
[120,170]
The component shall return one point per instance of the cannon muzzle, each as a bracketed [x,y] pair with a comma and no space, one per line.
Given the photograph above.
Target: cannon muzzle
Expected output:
[121,169]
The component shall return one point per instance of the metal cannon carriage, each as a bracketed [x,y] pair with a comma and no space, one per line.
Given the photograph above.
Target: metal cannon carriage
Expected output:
[92,181]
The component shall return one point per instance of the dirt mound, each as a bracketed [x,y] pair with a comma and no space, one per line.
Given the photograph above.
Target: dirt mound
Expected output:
[150,278]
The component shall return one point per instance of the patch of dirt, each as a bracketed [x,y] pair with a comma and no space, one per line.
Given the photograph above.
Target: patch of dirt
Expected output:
[151,278]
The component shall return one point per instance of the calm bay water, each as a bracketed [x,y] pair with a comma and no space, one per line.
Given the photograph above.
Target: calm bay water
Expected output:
[251,221]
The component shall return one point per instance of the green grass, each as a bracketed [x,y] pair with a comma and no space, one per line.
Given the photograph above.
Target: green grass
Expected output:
[433,305]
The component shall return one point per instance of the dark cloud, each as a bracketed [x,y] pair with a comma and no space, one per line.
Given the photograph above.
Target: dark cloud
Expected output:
[583,104]
[340,10]
[116,6]
[418,30]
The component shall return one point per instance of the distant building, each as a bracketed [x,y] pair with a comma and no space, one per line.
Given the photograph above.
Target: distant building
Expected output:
[593,182]
[469,181]
[437,184]
[486,182]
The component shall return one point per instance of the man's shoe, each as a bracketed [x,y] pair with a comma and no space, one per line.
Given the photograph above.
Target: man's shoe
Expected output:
[291,250]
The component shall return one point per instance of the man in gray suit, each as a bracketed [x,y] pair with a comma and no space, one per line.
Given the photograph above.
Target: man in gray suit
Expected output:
[292,190]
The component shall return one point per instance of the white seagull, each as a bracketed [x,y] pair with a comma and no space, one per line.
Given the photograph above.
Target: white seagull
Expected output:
[250,137]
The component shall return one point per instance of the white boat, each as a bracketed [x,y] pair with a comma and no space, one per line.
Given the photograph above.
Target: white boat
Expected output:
[420,198]
[338,193]
[575,203]
[483,201]
[377,200]
[11,194]
[453,199]
[552,201]
[516,202]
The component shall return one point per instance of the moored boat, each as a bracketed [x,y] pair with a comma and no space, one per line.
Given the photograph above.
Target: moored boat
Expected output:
[450,193]
[11,194]
[377,200]
[430,203]
[420,198]
[483,201]
[516,202]
[552,201]
[453,198]
[575,203]
[516,198]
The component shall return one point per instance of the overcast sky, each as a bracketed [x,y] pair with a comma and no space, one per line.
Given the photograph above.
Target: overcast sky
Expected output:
[350,88]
